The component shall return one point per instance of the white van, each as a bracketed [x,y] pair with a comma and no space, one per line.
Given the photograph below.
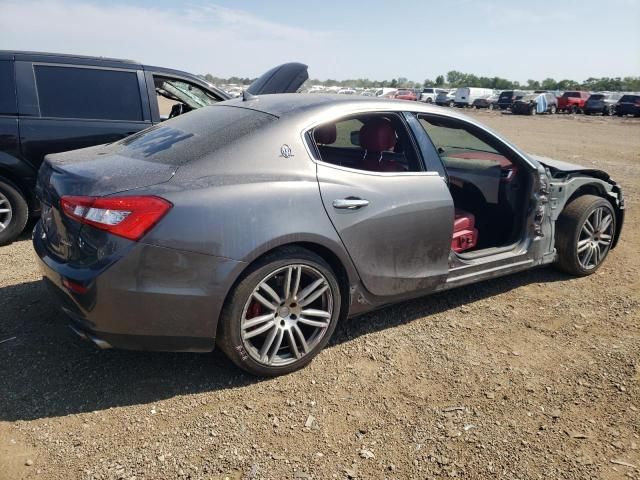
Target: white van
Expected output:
[465,96]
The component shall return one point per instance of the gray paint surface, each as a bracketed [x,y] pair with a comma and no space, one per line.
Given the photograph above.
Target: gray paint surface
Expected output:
[237,199]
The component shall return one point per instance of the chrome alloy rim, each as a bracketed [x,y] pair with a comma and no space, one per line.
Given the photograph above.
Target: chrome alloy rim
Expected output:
[5,212]
[287,315]
[595,238]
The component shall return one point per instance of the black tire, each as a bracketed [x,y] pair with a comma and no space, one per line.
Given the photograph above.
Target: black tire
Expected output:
[553,110]
[229,337]
[429,100]
[16,219]
[573,110]
[532,111]
[568,228]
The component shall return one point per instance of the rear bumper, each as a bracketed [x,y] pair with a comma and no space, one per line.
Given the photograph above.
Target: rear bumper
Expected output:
[153,298]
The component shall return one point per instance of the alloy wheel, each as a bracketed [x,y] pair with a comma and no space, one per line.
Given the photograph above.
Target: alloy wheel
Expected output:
[287,315]
[6,212]
[595,238]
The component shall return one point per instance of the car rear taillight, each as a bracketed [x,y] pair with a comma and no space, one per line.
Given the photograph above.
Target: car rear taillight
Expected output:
[128,217]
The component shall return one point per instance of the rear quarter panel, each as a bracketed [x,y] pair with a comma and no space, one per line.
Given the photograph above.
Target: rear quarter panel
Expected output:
[248,199]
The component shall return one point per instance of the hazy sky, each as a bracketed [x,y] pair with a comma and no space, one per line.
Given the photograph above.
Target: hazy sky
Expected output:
[341,39]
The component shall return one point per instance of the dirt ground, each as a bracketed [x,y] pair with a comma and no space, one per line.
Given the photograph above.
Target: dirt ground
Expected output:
[535,375]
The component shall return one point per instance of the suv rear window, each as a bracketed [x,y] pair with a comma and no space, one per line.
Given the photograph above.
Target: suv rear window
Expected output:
[7,89]
[629,98]
[200,133]
[571,94]
[71,92]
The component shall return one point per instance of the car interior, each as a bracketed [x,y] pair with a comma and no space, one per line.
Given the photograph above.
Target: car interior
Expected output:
[176,97]
[489,190]
[486,184]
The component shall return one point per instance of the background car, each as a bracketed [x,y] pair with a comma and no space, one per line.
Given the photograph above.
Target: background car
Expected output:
[628,105]
[53,102]
[174,239]
[490,102]
[604,103]
[535,103]
[465,96]
[446,98]
[572,101]
[507,97]
[429,94]
[406,94]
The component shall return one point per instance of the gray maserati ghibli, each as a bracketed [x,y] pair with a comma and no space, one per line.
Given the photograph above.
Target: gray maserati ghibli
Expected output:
[257,224]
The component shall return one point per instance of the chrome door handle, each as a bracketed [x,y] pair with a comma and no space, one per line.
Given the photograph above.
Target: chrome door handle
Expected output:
[350,203]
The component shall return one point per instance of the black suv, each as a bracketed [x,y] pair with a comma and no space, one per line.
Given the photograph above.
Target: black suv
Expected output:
[52,103]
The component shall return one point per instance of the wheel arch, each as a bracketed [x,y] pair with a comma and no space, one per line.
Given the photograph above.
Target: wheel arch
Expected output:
[338,261]
[17,181]
[599,190]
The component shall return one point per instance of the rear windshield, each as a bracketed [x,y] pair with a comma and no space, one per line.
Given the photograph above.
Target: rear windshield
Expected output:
[630,98]
[193,135]
[596,97]
[571,94]
[508,94]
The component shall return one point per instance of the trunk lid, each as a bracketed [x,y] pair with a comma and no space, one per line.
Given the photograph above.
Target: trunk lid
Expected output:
[93,172]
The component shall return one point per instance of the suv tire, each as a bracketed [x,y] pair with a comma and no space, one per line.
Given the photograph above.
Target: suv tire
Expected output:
[14,212]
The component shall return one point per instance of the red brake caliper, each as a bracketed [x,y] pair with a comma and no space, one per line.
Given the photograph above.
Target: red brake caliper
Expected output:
[254,310]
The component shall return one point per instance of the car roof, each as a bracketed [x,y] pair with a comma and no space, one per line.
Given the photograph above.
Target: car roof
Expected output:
[61,57]
[66,58]
[301,104]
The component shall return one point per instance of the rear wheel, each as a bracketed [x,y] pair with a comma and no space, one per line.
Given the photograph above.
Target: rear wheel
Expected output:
[281,314]
[573,109]
[429,100]
[553,110]
[584,232]
[14,212]
[532,111]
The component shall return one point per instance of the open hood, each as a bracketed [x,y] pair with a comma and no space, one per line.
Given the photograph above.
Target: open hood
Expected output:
[566,167]
[285,78]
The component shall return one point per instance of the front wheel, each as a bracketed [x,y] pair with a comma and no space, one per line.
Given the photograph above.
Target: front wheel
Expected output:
[553,110]
[281,314]
[584,233]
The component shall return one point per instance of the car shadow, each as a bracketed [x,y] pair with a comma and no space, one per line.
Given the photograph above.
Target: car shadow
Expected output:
[47,371]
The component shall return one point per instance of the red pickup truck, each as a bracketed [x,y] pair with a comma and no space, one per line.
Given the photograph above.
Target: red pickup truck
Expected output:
[572,102]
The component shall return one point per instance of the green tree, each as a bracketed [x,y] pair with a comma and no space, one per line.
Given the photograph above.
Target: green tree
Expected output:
[439,81]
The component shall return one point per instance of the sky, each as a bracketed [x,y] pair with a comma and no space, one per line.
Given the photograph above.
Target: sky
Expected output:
[415,39]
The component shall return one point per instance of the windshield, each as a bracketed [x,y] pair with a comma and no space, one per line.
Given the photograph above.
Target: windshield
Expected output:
[571,94]
[177,90]
[596,97]
[528,98]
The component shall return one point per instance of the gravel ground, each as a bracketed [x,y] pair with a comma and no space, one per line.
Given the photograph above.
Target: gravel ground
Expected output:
[535,375]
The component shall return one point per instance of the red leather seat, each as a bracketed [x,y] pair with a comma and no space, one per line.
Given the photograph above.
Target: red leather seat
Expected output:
[465,235]
[377,138]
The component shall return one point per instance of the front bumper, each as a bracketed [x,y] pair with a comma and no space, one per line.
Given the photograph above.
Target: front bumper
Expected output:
[153,298]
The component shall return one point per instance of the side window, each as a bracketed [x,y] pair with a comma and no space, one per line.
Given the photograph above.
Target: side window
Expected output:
[177,96]
[73,92]
[376,142]
[7,89]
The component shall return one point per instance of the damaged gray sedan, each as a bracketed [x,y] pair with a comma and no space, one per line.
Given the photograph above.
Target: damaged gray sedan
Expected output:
[257,224]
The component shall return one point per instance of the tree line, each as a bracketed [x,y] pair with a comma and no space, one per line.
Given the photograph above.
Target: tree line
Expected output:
[454,79]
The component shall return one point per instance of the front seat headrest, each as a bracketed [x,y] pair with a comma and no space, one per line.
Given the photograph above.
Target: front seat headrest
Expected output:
[377,135]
